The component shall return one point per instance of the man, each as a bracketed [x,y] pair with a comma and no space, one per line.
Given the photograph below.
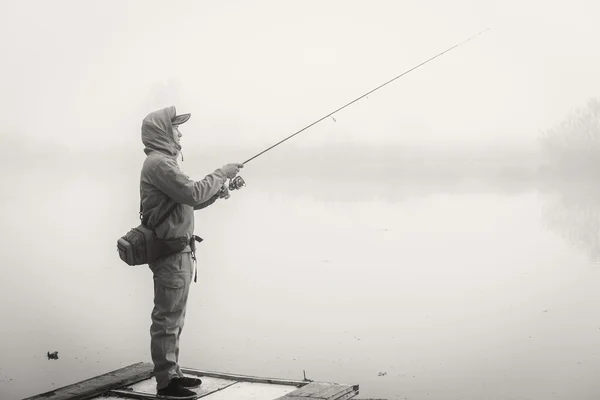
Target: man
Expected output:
[162,184]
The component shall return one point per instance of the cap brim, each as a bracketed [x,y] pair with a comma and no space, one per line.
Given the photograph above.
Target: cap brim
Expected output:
[180,119]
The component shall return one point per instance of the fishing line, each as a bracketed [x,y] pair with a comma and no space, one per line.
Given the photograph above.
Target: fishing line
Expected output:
[364,95]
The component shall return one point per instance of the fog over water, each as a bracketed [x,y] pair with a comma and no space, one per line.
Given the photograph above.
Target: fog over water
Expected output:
[454,288]
[436,240]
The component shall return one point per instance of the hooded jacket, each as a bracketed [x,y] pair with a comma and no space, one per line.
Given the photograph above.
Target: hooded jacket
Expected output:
[162,182]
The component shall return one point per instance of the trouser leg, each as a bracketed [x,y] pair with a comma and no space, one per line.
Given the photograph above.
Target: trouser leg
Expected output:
[172,278]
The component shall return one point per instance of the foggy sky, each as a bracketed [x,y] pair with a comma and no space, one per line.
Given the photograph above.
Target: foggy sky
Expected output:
[77,77]
[84,74]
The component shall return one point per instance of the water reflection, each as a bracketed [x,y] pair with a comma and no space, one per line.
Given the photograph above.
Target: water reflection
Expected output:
[572,210]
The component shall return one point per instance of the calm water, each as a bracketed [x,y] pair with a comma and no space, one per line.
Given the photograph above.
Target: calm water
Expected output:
[413,293]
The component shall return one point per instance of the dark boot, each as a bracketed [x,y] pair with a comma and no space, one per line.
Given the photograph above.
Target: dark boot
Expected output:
[188,382]
[176,392]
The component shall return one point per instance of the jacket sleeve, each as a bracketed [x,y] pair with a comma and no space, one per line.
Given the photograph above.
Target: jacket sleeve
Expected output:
[207,203]
[169,179]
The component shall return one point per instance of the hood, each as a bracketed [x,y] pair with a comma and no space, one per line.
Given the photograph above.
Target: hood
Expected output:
[157,132]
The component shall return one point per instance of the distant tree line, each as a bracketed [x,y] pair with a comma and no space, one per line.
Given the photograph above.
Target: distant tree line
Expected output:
[572,148]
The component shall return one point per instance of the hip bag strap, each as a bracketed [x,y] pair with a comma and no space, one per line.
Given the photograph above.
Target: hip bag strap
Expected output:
[193,241]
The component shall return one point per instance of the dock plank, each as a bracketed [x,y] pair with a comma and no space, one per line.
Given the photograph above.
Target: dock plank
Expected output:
[243,378]
[147,388]
[136,382]
[334,391]
[232,391]
[322,391]
[348,395]
[251,391]
[99,384]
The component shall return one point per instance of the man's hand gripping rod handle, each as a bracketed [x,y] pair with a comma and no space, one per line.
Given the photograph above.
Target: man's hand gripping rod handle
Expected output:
[235,183]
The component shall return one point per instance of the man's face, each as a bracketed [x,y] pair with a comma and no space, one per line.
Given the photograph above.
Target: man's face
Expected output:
[176,134]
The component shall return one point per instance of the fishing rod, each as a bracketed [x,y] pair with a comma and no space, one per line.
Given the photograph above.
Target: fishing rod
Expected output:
[238,182]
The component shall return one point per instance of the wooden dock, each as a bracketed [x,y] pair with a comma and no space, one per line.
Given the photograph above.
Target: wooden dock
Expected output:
[136,381]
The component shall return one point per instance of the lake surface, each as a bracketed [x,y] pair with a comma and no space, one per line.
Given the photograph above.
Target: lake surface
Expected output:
[413,291]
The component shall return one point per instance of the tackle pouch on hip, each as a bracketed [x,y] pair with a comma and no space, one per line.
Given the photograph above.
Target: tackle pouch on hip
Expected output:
[141,245]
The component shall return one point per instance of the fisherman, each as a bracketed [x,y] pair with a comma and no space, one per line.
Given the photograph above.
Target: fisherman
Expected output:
[163,184]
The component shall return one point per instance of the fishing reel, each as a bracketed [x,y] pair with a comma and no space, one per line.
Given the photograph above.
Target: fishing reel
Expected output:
[234,184]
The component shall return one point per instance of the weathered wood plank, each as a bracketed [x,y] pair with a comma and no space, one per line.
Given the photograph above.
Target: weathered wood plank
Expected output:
[312,389]
[234,390]
[244,378]
[336,391]
[129,394]
[348,395]
[322,391]
[251,391]
[147,389]
[99,384]
[332,391]
[126,382]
